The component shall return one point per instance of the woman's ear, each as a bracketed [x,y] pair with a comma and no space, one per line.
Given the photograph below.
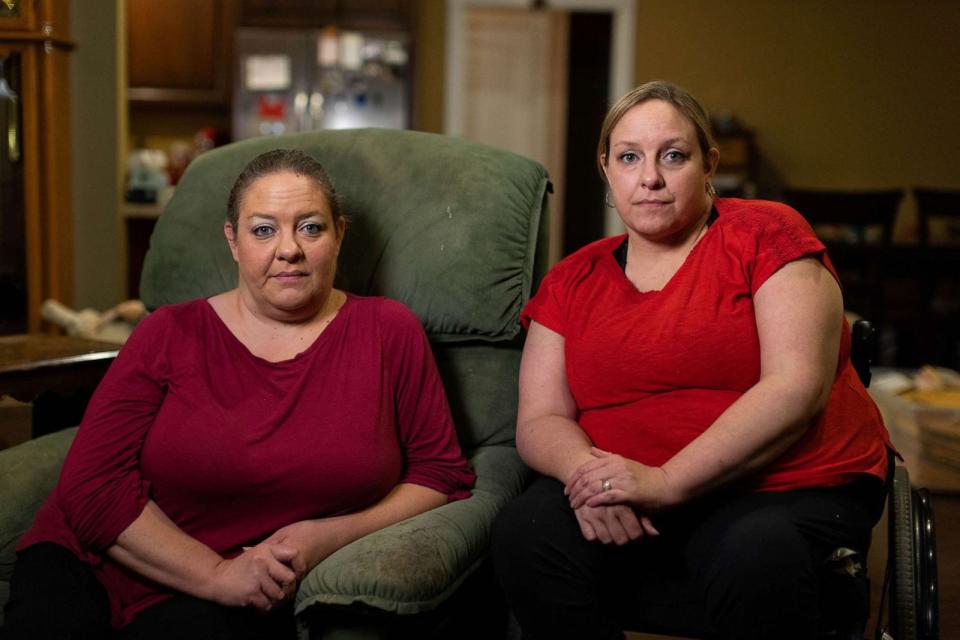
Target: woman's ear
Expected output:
[713,161]
[230,235]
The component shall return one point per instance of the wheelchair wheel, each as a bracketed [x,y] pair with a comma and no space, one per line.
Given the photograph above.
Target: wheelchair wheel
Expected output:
[925,565]
[902,558]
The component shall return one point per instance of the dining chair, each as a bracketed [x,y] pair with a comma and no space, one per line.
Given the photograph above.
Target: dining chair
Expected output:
[933,204]
[940,285]
[857,227]
[851,217]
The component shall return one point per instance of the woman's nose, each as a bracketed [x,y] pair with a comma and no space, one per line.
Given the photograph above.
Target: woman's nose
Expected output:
[288,248]
[651,177]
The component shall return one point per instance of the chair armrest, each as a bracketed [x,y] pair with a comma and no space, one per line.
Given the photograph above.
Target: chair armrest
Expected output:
[28,472]
[413,566]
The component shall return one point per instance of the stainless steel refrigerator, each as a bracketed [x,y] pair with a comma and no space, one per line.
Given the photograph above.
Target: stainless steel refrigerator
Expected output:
[300,80]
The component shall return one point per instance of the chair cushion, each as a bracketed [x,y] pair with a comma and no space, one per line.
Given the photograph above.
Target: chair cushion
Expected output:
[446,226]
[414,565]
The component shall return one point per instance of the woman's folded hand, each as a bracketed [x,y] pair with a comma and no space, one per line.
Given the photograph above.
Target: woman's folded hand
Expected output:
[610,479]
[262,577]
[617,524]
[314,539]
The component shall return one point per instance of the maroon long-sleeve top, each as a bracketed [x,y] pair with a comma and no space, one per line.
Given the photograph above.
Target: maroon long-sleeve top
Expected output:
[232,447]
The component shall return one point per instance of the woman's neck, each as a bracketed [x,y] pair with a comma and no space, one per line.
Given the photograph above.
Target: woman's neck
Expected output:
[681,242]
[267,316]
[274,337]
[651,263]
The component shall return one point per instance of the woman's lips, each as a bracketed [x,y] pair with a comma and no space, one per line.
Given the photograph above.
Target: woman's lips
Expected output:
[289,276]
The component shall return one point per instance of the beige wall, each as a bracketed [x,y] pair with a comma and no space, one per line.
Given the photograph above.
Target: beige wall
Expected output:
[429,67]
[854,94]
[98,123]
[860,93]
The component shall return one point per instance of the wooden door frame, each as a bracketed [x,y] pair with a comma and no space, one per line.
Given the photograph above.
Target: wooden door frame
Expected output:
[622,44]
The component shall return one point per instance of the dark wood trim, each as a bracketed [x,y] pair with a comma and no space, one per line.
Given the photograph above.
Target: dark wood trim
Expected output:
[45,139]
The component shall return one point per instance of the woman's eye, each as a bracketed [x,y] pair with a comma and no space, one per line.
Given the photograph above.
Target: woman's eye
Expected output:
[262,231]
[629,157]
[674,156]
[311,228]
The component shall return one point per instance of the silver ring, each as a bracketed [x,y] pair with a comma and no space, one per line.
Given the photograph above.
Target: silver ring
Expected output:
[605,485]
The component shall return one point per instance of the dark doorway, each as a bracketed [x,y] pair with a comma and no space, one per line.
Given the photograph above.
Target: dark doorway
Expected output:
[589,83]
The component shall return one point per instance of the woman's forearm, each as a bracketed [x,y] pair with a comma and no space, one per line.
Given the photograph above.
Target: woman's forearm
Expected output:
[553,445]
[753,432]
[404,501]
[317,539]
[155,547]
[799,312]
[549,439]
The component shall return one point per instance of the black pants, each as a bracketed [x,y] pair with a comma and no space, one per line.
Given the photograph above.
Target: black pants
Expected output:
[732,566]
[53,595]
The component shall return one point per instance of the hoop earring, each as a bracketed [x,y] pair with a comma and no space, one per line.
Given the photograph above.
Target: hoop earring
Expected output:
[711,190]
[606,200]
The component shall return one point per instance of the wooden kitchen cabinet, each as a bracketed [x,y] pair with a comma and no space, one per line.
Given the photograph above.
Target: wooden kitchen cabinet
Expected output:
[180,51]
[362,15]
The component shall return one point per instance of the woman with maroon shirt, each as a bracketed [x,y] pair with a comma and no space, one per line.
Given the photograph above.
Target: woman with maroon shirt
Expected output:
[686,393]
[239,440]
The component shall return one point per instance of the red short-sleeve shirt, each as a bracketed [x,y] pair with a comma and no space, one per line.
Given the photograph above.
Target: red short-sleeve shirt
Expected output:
[650,371]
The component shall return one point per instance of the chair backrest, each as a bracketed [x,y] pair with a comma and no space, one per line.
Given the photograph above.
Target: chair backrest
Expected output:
[851,214]
[863,349]
[935,203]
[453,229]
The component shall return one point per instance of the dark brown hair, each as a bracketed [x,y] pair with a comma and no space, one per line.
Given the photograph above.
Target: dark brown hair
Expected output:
[279,161]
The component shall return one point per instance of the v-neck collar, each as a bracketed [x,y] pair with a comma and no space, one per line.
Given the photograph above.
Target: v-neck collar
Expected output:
[617,259]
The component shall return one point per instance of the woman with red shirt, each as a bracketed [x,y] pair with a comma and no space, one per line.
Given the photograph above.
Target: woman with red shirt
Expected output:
[687,394]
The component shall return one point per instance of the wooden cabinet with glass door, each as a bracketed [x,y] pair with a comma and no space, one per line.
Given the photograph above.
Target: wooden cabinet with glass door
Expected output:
[17,15]
[36,253]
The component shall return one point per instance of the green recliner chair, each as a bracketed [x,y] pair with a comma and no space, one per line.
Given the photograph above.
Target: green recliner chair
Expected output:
[453,229]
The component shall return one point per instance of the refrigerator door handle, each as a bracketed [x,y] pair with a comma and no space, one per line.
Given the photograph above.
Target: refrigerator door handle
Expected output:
[316,109]
[300,106]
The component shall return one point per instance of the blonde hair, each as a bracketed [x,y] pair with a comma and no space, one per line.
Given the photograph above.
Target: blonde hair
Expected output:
[673,95]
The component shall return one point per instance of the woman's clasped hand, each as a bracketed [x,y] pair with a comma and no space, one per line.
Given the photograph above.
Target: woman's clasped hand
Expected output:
[609,493]
[262,577]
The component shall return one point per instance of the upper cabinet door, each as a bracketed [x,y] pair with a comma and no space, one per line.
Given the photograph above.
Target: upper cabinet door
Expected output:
[361,15]
[179,51]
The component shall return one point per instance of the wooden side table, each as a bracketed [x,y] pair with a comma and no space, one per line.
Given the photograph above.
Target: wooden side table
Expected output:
[56,373]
